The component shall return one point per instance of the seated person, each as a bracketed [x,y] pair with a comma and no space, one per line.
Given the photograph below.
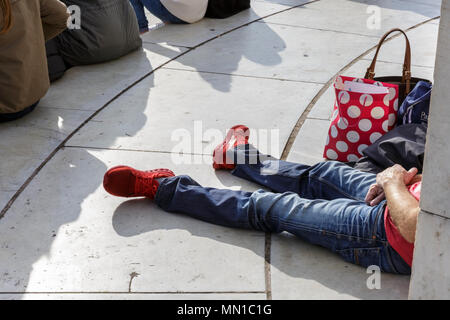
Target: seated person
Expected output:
[368,219]
[25,25]
[108,30]
[170,11]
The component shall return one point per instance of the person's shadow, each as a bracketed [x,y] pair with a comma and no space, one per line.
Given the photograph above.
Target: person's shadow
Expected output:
[257,43]
[48,207]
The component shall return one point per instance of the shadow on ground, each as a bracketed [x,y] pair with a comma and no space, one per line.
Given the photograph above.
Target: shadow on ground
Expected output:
[245,46]
[57,210]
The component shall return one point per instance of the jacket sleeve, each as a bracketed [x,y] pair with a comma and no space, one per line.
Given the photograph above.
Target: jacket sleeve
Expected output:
[54,17]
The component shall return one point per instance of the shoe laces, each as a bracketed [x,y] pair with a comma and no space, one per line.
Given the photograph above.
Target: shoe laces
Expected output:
[146,184]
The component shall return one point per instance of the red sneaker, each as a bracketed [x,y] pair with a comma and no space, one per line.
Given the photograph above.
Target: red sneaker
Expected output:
[123,181]
[236,136]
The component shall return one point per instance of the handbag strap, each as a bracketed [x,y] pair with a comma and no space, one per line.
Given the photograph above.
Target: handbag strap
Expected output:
[406,76]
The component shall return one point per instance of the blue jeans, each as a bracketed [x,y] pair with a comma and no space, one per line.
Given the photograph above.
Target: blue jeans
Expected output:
[322,204]
[156,8]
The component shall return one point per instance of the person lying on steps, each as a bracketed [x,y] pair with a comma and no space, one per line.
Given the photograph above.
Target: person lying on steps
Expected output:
[367,219]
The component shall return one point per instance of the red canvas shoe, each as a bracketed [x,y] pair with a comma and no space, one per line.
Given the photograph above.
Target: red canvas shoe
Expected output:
[123,181]
[236,136]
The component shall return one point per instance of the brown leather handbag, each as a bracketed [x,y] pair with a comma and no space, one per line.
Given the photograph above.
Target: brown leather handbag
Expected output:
[405,83]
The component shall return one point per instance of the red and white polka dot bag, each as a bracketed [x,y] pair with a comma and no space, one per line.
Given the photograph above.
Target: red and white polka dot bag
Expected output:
[364,111]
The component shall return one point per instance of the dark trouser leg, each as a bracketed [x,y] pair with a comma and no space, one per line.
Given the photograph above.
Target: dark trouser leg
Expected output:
[159,11]
[219,206]
[5,117]
[324,180]
[138,7]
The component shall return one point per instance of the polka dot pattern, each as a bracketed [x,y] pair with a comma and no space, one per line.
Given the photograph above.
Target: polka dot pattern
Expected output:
[342,146]
[334,131]
[359,119]
[385,126]
[377,113]
[342,123]
[352,158]
[353,136]
[375,136]
[354,112]
[331,154]
[386,100]
[365,125]
[366,100]
[344,97]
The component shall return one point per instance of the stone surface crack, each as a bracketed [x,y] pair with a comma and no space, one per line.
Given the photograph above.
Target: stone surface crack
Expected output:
[132,276]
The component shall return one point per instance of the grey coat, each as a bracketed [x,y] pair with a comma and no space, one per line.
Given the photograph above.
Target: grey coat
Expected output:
[109,30]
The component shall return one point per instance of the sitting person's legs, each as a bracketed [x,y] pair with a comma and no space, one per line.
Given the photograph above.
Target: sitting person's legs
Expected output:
[159,11]
[140,14]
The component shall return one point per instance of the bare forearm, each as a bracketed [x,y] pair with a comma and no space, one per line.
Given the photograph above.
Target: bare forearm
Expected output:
[403,209]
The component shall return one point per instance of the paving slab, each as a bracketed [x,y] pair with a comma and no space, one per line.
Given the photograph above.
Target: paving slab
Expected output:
[302,271]
[90,87]
[288,3]
[308,147]
[152,114]
[435,21]
[429,2]
[317,15]
[423,42]
[5,196]
[193,34]
[27,142]
[69,102]
[84,240]
[276,51]
[135,296]
[323,107]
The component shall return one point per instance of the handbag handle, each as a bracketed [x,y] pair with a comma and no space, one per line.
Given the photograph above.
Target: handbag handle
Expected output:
[406,76]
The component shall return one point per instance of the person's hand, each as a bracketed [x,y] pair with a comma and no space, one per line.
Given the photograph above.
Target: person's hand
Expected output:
[416,179]
[375,195]
[396,174]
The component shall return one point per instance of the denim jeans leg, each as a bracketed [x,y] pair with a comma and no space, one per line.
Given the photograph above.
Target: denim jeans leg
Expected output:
[140,15]
[181,194]
[347,227]
[159,11]
[325,180]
